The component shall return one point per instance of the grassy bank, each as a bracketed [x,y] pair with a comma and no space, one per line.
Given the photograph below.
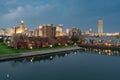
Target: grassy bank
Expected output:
[7,50]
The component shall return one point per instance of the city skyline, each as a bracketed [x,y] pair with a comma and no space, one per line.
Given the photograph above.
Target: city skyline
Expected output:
[74,13]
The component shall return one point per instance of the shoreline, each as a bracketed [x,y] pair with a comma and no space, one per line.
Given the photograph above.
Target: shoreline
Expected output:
[36,53]
[102,47]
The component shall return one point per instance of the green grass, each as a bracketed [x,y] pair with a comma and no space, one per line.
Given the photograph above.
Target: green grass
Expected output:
[7,50]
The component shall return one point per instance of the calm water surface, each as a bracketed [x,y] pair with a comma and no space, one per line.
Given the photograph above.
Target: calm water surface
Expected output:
[78,65]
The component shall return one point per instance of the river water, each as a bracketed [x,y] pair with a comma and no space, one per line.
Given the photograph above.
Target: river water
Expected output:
[76,65]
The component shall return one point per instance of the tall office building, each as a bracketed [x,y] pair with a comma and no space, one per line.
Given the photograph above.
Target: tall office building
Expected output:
[59,30]
[100,26]
[21,28]
[46,30]
[73,32]
[67,31]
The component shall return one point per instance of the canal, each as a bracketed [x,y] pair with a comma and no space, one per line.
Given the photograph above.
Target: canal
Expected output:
[75,65]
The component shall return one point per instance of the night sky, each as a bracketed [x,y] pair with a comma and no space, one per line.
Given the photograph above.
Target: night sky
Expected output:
[71,13]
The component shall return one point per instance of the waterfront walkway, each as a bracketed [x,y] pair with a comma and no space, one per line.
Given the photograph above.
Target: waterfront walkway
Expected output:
[36,53]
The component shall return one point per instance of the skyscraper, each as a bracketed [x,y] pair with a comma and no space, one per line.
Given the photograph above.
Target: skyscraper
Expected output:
[100,26]
[76,32]
[46,30]
[21,28]
[59,30]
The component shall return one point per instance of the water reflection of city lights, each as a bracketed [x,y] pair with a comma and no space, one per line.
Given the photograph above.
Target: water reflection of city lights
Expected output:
[66,54]
[85,49]
[8,75]
[117,52]
[51,57]
[104,51]
[75,52]
[99,52]
[96,50]
[31,60]
[109,54]
[108,51]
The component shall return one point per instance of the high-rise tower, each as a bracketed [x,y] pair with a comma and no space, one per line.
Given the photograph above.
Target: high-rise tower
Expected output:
[21,28]
[22,24]
[100,26]
[46,30]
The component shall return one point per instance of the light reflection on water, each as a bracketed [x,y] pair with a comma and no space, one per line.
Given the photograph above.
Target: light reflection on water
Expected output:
[103,51]
[51,57]
[75,65]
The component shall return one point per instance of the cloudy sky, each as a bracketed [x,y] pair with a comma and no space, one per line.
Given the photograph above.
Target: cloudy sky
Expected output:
[71,13]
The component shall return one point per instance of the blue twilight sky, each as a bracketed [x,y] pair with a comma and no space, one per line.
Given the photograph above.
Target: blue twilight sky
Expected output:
[71,13]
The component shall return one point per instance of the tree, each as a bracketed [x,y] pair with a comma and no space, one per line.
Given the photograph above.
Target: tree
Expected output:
[16,38]
[74,39]
[1,39]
